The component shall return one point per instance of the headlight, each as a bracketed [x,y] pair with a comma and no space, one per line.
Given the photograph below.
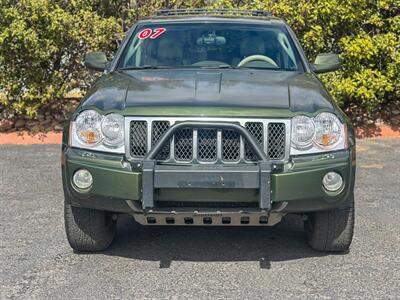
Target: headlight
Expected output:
[328,130]
[93,131]
[88,127]
[303,131]
[112,128]
[322,133]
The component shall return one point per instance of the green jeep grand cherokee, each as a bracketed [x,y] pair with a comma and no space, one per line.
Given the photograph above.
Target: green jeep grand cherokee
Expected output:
[209,117]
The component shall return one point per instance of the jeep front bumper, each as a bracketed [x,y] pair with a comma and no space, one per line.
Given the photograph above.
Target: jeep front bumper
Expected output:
[294,187]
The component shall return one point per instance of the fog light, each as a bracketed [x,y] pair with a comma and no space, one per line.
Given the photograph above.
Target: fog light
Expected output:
[332,181]
[82,179]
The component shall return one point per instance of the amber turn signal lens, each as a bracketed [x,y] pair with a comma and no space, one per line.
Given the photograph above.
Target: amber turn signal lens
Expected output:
[326,139]
[89,136]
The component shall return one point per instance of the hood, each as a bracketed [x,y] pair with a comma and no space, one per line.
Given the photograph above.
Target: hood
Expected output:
[219,88]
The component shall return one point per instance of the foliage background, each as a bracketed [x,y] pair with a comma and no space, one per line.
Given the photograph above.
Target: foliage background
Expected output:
[42,44]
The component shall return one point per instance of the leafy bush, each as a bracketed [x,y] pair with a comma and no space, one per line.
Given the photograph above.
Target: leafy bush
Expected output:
[42,43]
[365,33]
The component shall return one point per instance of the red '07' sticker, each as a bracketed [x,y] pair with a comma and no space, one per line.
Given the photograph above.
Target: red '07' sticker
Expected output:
[153,34]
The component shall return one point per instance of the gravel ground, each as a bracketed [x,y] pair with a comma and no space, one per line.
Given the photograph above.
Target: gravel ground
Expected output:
[148,262]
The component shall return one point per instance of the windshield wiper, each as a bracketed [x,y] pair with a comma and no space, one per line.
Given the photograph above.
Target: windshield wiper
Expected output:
[145,67]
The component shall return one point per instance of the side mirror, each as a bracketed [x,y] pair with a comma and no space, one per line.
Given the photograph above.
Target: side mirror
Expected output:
[326,62]
[96,61]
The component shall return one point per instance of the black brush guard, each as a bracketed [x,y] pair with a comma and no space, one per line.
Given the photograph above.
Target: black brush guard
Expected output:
[212,176]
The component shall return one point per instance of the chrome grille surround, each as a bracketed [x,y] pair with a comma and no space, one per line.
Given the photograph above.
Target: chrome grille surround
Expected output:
[208,145]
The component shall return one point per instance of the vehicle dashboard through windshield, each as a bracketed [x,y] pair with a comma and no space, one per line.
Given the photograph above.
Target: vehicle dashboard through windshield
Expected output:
[210,45]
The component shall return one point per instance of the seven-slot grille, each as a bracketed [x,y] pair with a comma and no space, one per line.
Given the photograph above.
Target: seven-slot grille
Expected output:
[207,145]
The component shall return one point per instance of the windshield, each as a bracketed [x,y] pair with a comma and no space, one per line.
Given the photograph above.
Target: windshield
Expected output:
[210,45]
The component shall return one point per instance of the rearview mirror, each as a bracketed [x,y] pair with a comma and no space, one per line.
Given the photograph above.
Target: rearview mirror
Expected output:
[326,62]
[211,40]
[96,61]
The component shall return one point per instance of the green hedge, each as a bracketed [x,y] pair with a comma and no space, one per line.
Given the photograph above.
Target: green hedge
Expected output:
[365,32]
[42,44]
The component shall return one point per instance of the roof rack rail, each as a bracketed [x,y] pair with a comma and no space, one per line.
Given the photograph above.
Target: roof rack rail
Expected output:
[212,12]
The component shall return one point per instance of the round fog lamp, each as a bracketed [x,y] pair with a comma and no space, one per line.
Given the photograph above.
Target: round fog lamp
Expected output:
[82,179]
[332,181]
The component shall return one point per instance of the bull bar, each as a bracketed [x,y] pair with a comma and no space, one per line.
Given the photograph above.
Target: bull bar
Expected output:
[216,176]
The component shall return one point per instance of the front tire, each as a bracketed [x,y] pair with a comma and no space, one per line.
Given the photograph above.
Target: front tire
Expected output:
[331,230]
[88,229]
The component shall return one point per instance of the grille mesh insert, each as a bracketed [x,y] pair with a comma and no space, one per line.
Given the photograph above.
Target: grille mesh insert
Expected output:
[138,138]
[207,144]
[257,131]
[159,128]
[184,144]
[230,145]
[276,140]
